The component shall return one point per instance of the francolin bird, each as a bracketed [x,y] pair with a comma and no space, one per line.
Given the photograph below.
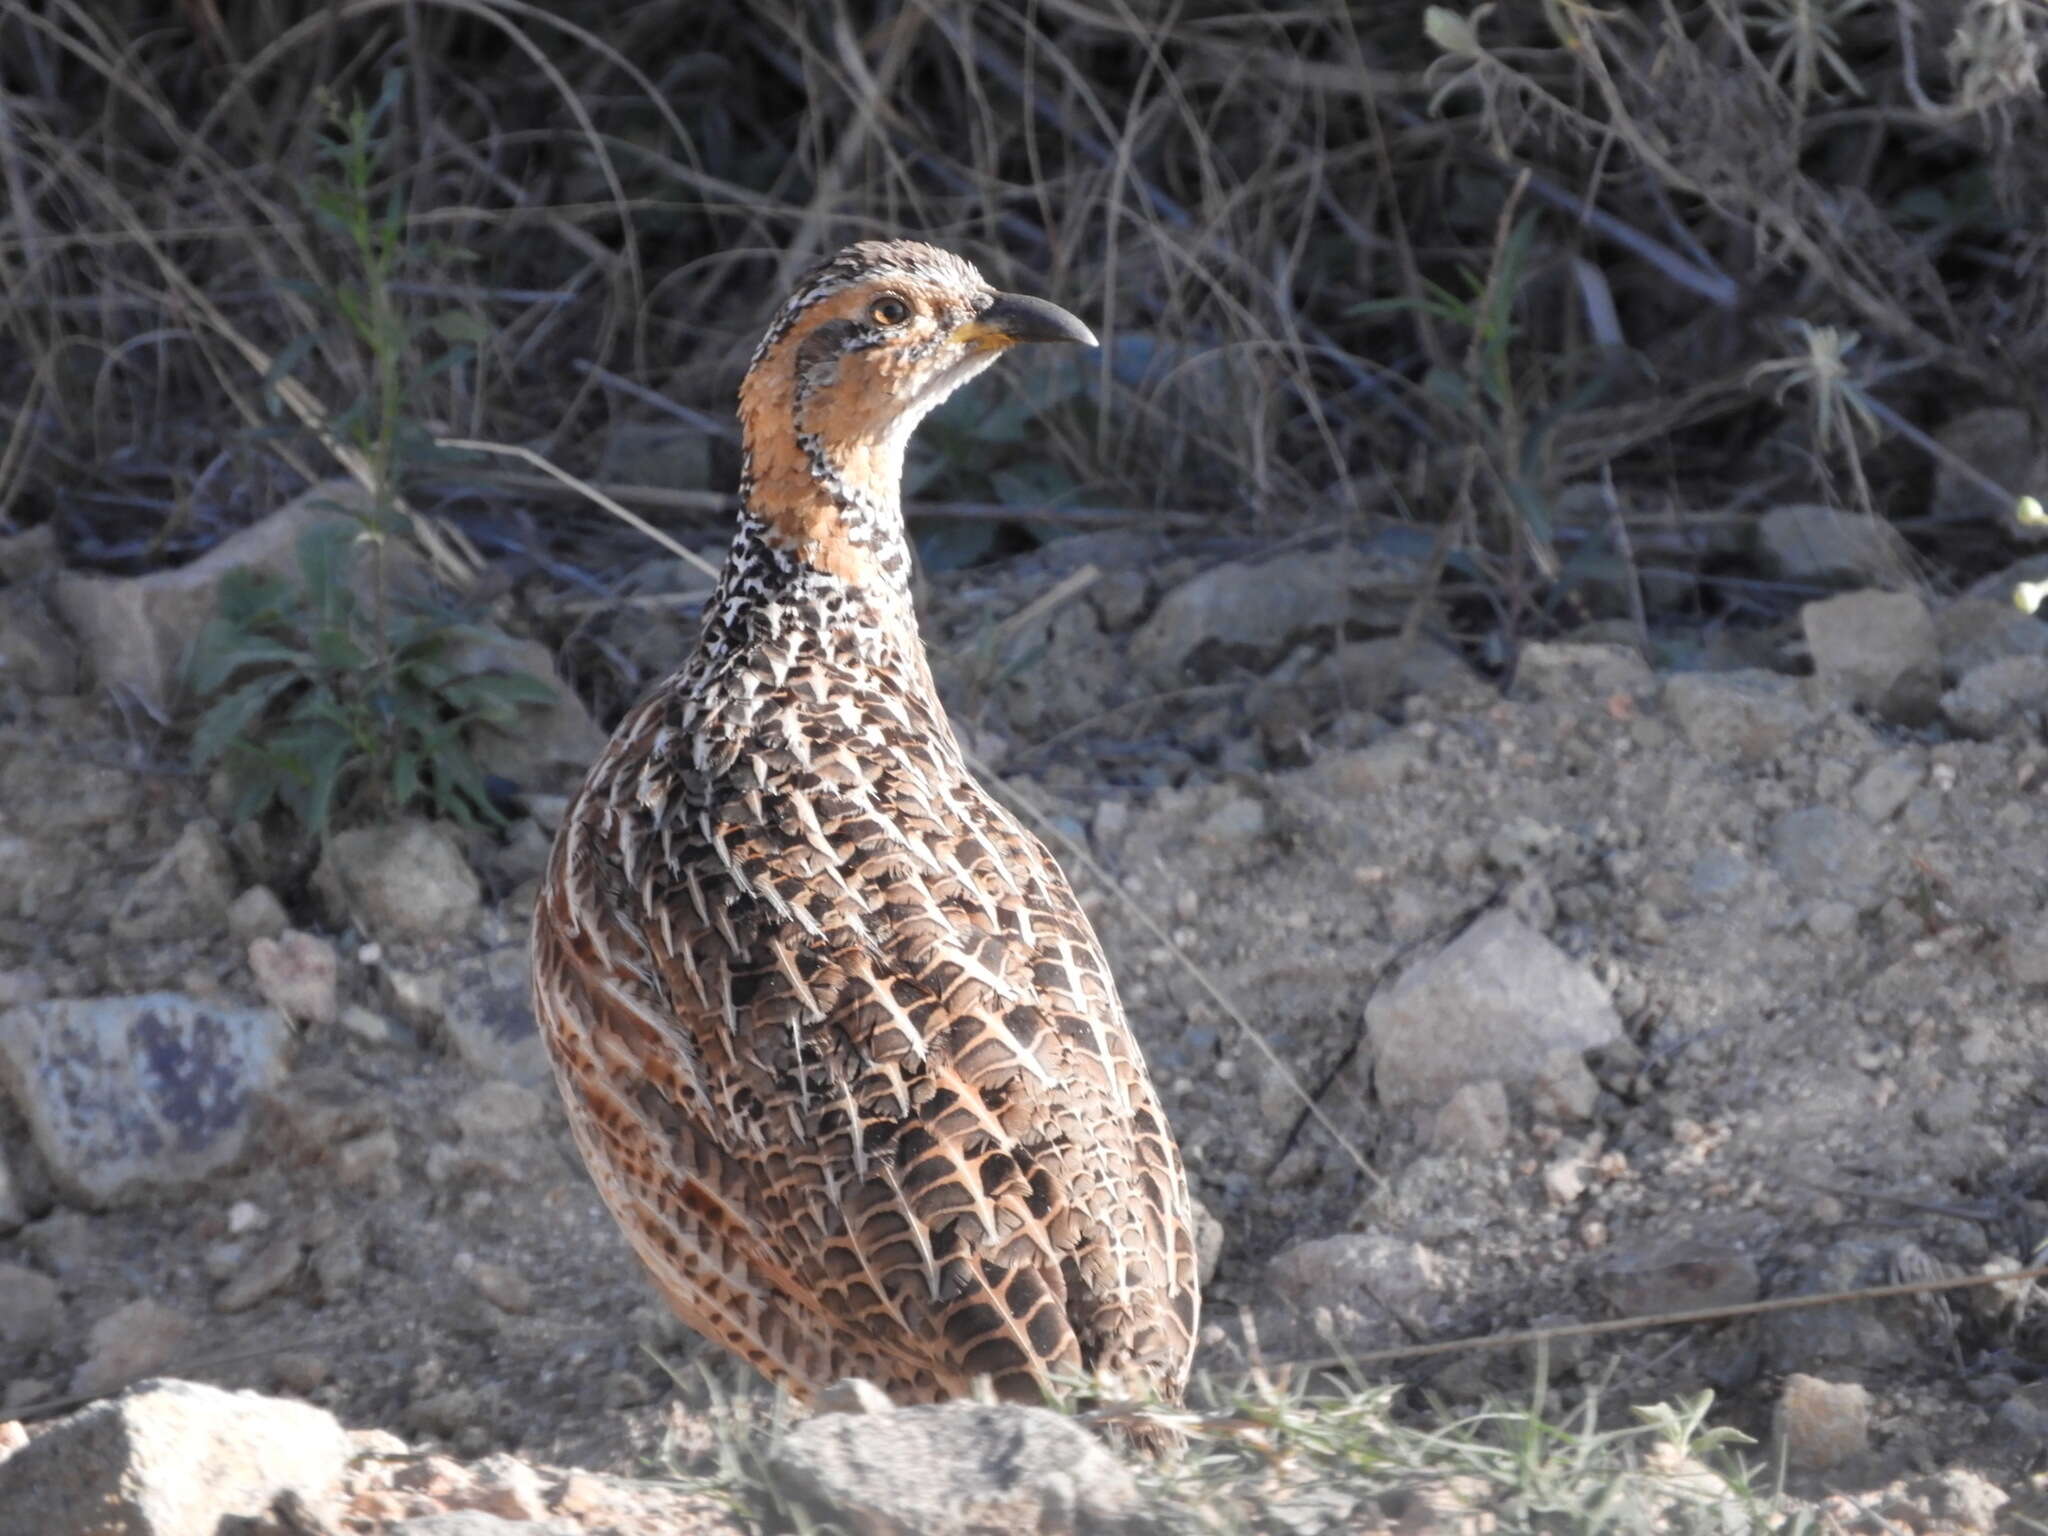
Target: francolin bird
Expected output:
[837,1043]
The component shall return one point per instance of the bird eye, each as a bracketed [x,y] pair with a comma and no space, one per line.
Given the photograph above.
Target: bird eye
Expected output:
[889,310]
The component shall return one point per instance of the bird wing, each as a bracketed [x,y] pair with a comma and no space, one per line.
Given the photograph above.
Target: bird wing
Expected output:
[877,1001]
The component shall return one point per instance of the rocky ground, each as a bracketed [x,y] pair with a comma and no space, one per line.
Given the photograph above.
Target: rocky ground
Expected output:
[1583,991]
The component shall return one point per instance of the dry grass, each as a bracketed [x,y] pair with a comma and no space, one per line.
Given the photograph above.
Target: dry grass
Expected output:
[1348,263]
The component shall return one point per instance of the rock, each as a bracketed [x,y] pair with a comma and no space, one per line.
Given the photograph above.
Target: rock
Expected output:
[257,914]
[1974,630]
[1474,1119]
[123,1094]
[1684,1275]
[31,1311]
[503,1287]
[130,1343]
[137,631]
[1823,851]
[273,1267]
[1209,1236]
[407,880]
[1886,785]
[1247,611]
[35,653]
[1822,1424]
[556,742]
[185,894]
[497,1109]
[1876,650]
[1961,1497]
[1718,874]
[1860,1335]
[1362,673]
[1745,715]
[1997,696]
[297,975]
[1832,548]
[1563,1087]
[368,1026]
[1549,669]
[478,1006]
[1494,1003]
[956,1469]
[1370,1273]
[171,1458]
[1998,442]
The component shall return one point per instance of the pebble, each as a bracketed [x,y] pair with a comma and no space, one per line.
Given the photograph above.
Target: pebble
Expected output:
[298,975]
[497,1109]
[257,914]
[503,1287]
[1822,1424]
[268,1271]
[129,1343]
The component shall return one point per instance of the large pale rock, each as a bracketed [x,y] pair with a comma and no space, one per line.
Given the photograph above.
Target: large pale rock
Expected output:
[1876,650]
[123,1094]
[1825,545]
[1494,1003]
[956,1469]
[138,631]
[170,1458]
[1998,695]
[1249,610]
[405,881]
[185,894]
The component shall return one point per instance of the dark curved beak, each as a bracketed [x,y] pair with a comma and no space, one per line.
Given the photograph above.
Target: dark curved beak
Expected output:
[1013,318]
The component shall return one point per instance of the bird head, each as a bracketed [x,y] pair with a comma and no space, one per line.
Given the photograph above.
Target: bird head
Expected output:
[868,344]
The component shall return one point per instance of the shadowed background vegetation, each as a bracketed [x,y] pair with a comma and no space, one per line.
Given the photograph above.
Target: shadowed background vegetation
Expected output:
[1552,297]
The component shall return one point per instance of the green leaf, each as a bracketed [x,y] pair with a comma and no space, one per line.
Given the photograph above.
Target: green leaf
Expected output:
[284,365]
[461,325]
[222,650]
[405,778]
[338,652]
[226,721]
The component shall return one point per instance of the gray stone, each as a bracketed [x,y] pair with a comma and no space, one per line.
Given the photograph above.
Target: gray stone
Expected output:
[1822,1424]
[31,1310]
[1832,547]
[1745,715]
[956,1469]
[1997,696]
[298,975]
[1998,442]
[1249,610]
[1474,1119]
[257,914]
[1366,1272]
[1974,630]
[185,894]
[137,631]
[269,1270]
[1563,1087]
[478,1006]
[497,1109]
[1718,874]
[129,1343]
[1823,851]
[1860,1336]
[407,880]
[1876,650]
[170,1458]
[1551,669]
[1684,1275]
[1494,1003]
[123,1094]
[1886,785]
[1363,673]
[35,653]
